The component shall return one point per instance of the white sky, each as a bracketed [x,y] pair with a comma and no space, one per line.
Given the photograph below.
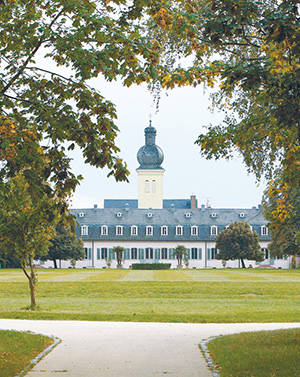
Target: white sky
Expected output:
[179,122]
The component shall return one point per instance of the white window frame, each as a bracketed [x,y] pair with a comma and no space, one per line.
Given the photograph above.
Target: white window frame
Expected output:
[194,230]
[264,231]
[164,230]
[119,230]
[149,230]
[84,231]
[104,230]
[213,230]
[179,230]
[147,186]
[153,186]
[134,230]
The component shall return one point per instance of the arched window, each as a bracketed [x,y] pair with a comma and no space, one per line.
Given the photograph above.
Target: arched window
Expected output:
[149,230]
[84,230]
[194,230]
[179,230]
[264,231]
[119,230]
[149,253]
[147,187]
[134,230]
[153,186]
[213,230]
[164,230]
[104,230]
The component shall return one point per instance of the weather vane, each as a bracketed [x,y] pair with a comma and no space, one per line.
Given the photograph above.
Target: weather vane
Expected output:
[150,118]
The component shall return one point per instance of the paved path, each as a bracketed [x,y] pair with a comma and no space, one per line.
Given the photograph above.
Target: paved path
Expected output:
[119,349]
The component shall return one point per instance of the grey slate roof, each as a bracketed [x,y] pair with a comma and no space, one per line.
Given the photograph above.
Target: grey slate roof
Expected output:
[204,218]
[133,203]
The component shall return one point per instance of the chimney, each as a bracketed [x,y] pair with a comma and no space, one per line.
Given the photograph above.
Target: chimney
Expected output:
[202,207]
[193,202]
[127,207]
[95,207]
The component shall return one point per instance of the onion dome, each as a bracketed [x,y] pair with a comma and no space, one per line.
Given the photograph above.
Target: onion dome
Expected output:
[150,156]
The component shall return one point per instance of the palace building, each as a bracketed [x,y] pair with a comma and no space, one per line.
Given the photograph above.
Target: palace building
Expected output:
[150,227]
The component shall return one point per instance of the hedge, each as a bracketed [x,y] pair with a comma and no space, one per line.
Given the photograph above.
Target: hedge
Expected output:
[151,266]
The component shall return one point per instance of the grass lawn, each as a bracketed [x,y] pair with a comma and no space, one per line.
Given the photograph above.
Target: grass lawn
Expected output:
[257,354]
[227,295]
[18,349]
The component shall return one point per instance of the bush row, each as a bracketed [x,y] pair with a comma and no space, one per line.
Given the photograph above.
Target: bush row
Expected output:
[151,266]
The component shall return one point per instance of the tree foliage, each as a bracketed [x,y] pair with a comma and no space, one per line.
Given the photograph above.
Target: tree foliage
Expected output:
[119,251]
[238,242]
[281,207]
[49,51]
[180,252]
[251,50]
[27,224]
[64,245]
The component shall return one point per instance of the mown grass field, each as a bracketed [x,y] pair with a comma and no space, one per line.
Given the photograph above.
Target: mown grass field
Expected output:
[252,295]
[18,349]
[257,354]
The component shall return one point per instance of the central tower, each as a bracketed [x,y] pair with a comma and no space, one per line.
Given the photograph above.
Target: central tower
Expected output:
[150,173]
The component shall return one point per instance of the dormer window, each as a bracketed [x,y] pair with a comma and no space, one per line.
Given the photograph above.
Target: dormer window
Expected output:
[188,214]
[164,230]
[119,230]
[104,230]
[84,230]
[149,230]
[134,230]
[242,214]
[194,230]
[264,231]
[179,230]
[149,214]
[119,214]
[214,215]
[81,214]
[213,230]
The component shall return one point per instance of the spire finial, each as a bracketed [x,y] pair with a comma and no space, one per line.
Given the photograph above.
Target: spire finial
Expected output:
[150,119]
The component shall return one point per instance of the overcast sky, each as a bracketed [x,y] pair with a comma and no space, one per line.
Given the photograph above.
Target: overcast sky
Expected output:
[179,121]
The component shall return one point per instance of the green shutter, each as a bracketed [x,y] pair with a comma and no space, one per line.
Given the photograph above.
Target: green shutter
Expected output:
[89,253]
[171,256]
[111,255]
[208,254]
[127,254]
[157,254]
[199,253]
[188,253]
[98,254]
[142,255]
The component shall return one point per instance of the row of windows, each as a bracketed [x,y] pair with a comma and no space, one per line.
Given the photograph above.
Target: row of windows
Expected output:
[147,186]
[164,230]
[148,253]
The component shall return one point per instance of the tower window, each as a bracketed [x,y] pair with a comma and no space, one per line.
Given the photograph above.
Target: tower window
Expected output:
[153,186]
[147,187]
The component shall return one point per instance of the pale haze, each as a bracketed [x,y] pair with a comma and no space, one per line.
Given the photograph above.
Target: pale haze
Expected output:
[180,119]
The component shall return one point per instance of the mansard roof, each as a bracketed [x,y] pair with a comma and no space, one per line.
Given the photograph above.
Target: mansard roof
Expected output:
[204,218]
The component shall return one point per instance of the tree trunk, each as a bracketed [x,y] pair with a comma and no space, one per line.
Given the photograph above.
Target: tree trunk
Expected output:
[243,263]
[55,263]
[32,281]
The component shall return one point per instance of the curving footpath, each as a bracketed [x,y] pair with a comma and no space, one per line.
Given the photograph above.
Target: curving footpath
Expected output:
[128,349]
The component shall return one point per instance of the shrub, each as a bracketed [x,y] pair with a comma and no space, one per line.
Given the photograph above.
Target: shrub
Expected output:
[151,266]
